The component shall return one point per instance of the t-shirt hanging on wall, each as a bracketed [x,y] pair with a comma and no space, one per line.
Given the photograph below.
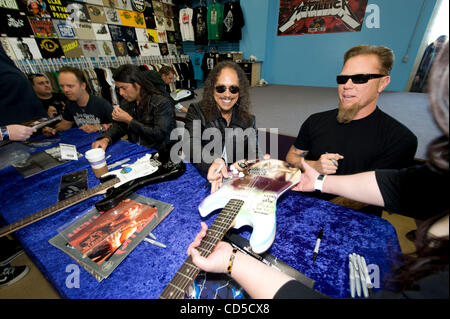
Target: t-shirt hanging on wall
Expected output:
[106,48]
[43,28]
[50,48]
[149,15]
[65,30]
[71,48]
[25,48]
[233,21]
[14,24]
[215,21]
[199,23]
[96,13]
[187,30]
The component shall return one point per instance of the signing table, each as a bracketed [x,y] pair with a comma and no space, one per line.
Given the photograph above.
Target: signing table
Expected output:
[148,269]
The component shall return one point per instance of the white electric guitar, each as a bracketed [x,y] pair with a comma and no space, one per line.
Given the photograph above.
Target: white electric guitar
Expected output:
[248,198]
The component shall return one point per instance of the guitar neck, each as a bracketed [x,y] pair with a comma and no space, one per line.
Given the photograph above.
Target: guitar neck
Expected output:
[188,271]
[58,207]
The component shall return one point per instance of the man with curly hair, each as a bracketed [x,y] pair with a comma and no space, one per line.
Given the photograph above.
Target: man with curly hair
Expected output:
[221,124]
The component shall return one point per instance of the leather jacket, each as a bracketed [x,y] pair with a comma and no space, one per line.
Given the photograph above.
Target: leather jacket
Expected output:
[151,126]
[238,146]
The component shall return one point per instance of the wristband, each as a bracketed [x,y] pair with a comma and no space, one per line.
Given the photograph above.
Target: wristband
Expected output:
[4,133]
[318,184]
[230,262]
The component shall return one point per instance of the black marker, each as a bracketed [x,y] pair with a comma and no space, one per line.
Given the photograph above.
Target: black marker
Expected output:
[316,249]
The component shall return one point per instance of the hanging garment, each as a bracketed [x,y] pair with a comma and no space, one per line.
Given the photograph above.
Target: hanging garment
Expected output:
[233,21]
[199,24]
[215,21]
[185,20]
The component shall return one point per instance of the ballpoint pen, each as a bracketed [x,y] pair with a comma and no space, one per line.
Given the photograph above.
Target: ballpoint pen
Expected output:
[357,278]
[352,276]
[333,160]
[366,273]
[154,242]
[316,248]
[362,277]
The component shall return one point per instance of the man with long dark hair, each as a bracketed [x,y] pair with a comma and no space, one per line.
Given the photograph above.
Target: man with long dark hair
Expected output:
[221,124]
[145,115]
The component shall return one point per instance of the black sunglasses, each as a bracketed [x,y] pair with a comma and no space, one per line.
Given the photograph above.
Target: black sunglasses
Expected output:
[358,78]
[222,88]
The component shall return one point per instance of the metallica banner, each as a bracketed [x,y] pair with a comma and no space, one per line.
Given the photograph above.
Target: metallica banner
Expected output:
[320,16]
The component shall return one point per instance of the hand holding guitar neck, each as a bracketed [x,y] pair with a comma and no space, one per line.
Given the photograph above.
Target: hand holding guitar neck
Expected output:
[248,197]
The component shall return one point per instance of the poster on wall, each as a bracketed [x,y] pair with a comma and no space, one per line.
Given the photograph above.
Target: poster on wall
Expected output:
[320,16]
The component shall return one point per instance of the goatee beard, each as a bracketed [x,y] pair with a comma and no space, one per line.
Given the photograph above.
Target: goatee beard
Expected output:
[347,114]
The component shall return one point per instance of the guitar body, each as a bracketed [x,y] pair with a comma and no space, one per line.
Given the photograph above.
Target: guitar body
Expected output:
[258,184]
[143,172]
[247,198]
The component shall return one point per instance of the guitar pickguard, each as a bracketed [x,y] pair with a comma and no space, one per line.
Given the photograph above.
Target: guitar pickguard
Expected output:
[258,184]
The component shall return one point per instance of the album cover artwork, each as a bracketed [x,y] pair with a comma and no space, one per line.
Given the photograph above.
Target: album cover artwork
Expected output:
[72,183]
[100,241]
[37,163]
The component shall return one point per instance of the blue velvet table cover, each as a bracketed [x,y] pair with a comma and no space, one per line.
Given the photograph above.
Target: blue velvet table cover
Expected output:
[148,269]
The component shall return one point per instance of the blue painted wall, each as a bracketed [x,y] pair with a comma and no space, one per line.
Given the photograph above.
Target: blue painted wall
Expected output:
[315,60]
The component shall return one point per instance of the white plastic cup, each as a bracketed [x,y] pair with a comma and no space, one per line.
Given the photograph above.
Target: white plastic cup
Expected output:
[96,158]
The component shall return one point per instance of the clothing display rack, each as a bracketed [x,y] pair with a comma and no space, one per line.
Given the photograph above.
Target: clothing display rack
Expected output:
[42,65]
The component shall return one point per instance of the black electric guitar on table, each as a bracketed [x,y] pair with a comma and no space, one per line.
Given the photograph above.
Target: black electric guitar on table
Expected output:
[117,185]
[248,198]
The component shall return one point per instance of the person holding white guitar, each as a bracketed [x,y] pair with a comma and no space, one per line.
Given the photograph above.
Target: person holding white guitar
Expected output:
[406,191]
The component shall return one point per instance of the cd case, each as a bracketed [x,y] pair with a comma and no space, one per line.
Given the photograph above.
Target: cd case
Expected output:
[100,241]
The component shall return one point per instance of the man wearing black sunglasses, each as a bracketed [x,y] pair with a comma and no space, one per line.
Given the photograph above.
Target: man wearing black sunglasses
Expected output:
[224,108]
[357,136]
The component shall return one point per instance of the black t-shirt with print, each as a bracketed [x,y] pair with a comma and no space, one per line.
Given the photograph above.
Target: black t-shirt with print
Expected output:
[97,111]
